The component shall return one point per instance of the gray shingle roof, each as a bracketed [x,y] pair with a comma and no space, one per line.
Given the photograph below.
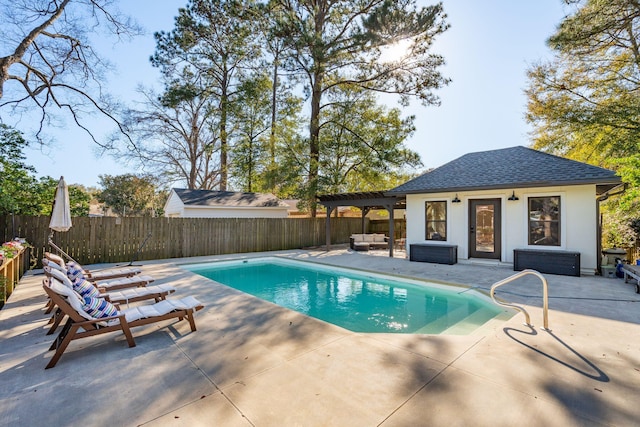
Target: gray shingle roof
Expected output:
[227,198]
[506,168]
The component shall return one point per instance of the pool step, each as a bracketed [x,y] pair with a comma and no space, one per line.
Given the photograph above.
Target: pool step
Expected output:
[468,324]
[440,324]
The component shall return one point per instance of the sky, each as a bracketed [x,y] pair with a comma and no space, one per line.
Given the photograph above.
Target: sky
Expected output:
[488,49]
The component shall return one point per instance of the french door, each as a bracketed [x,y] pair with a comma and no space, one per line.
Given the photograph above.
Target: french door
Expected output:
[484,228]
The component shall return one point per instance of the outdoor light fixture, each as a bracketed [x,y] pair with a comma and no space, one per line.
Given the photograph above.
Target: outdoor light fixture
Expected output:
[513,196]
[455,199]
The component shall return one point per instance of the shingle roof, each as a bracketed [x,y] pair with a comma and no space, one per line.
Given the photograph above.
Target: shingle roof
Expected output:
[227,198]
[506,168]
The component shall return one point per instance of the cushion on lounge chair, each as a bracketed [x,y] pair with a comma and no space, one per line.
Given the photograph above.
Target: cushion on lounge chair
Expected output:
[142,279]
[59,275]
[85,289]
[99,308]
[74,271]
[53,265]
[113,272]
[160,308]
[132,293]
[75,301]
[55,258]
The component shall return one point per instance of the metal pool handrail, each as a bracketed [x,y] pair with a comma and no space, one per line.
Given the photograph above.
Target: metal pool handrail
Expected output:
[545,296]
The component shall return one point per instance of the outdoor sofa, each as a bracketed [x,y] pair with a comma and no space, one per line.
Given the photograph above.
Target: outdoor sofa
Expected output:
[364,242]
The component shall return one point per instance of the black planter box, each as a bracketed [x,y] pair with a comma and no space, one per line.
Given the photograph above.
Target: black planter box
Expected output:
[551,262]
[438,254]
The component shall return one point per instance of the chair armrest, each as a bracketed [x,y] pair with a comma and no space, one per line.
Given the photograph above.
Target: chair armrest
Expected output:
[102,319]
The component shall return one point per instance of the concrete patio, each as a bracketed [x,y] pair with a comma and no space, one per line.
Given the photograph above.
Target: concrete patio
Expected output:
[252,363]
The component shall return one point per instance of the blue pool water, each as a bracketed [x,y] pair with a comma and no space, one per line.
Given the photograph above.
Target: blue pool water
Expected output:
[353,300]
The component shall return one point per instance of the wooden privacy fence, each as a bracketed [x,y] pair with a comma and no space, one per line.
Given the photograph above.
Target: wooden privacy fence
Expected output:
[112,240]
[382,226]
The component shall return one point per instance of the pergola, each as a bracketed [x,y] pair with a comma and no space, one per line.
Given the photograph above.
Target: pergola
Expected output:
[366,201]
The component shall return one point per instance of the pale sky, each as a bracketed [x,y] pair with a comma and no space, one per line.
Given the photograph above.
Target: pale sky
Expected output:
[488,49]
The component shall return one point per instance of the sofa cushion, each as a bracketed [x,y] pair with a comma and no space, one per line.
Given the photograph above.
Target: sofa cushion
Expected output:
[379,238]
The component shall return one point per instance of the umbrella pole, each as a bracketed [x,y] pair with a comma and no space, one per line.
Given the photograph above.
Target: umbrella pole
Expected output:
[60,250]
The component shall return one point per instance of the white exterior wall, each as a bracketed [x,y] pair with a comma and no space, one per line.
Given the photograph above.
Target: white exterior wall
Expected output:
[173,206]
[234,212]
[578,221]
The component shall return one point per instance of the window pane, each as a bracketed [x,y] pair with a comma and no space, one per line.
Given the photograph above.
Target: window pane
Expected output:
[544,208]
[436,220]
[545,233]
[436,211]
[436,230]
[544,221]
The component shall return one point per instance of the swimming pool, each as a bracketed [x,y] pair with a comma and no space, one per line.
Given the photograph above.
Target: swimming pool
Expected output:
[354,300]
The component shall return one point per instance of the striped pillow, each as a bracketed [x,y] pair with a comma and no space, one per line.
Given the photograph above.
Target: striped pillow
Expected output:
[74,271]
[99,307]
[85,289]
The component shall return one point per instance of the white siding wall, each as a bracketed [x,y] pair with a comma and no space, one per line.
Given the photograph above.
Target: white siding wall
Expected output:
[578,229]
[231,212]
[174,206]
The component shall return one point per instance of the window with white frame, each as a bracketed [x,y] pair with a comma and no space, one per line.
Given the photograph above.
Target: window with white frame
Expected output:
[544,221]
[436,220]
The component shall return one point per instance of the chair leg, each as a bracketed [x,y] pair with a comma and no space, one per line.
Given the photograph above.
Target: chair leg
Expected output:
[127,333]
[49,306]
[63,333]
[62,347]
[192,320]
[55,320]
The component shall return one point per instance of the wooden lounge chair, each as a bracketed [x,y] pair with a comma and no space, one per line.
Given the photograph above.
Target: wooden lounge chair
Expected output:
[81,325]
[96,275]
[126,296]
[116,283]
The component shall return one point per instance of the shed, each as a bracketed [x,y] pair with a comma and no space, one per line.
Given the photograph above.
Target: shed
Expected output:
[510,205]
[185,203]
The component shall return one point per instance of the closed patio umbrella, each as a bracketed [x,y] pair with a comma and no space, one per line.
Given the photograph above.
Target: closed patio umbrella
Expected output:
[61,213]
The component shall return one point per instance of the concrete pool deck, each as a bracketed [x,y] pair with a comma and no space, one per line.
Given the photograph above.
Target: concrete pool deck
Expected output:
[251,363]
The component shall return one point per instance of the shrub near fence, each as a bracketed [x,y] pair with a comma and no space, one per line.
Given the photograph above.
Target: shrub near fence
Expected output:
[112,240]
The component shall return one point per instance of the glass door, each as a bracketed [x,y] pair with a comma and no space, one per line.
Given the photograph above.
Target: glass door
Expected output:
[484,228]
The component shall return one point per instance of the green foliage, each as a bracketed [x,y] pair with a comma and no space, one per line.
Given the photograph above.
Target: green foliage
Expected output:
[338,45]
[584,104]
[16,179]
[363,144]
[215,38]
[130,195]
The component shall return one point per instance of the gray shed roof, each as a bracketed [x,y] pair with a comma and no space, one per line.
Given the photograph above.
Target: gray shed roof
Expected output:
[507,168]
[227,198]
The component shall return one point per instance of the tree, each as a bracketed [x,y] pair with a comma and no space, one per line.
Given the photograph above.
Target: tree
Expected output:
[215,39]
[44,192]
[129,195]
[176,134]
[252,153]
[336,44]
[16,180]
[583,103]
[48,62]
[20,192]
[363,143]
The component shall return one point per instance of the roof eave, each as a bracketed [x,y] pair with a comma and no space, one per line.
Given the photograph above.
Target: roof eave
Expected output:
[508,187]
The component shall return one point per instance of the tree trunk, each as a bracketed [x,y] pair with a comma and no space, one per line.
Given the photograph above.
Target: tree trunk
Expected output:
[224,106]
[314,143]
